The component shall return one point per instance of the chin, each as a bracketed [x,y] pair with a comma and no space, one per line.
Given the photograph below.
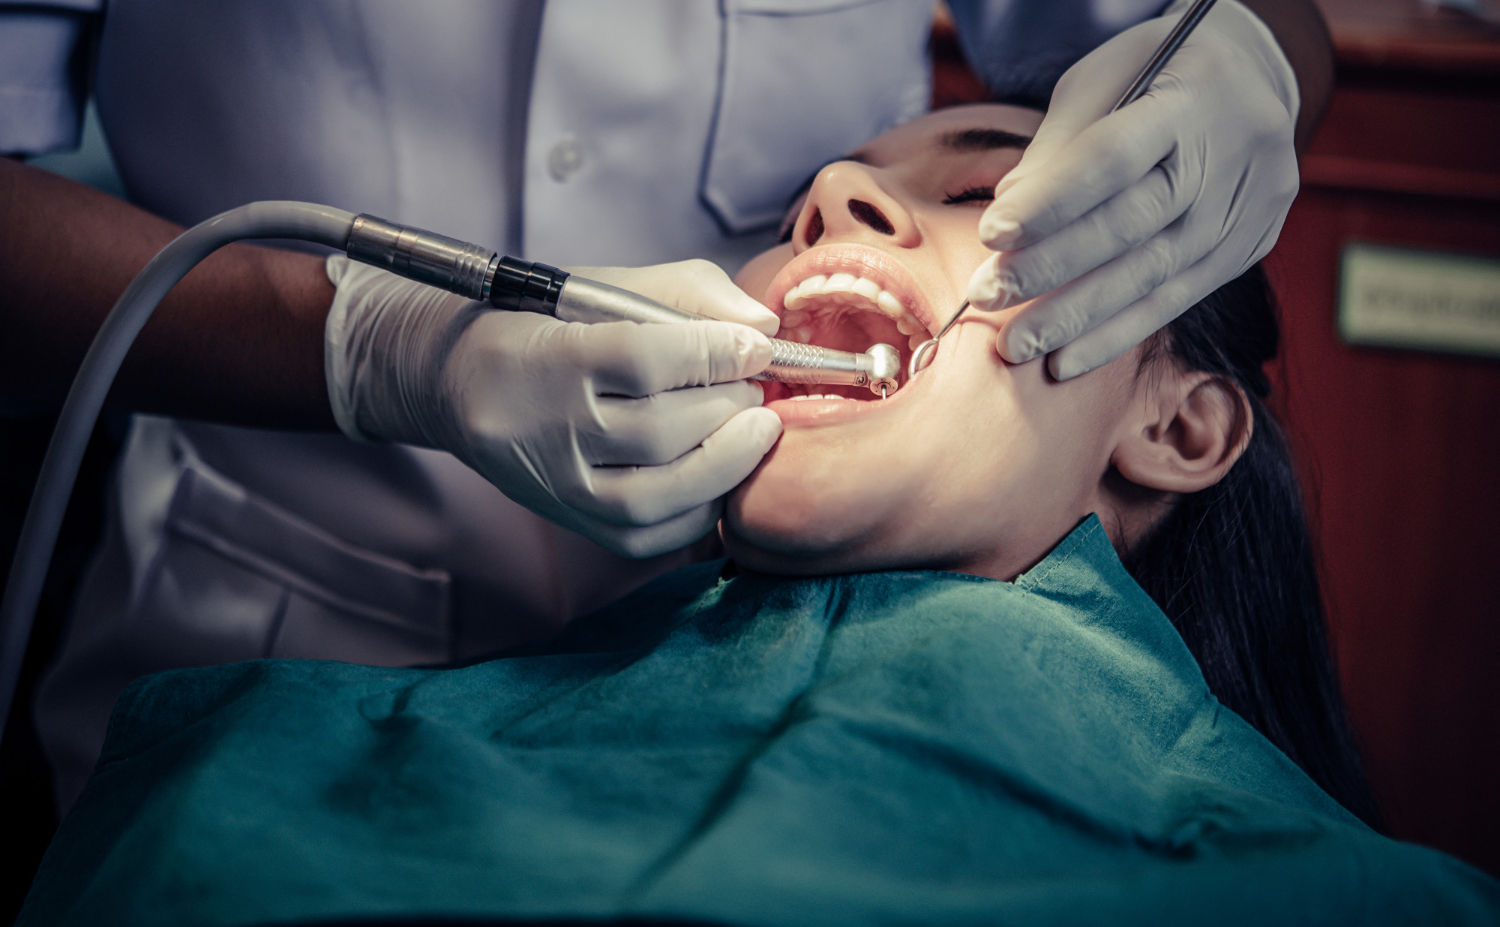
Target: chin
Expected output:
[776,522]
[774,531]
[780,522]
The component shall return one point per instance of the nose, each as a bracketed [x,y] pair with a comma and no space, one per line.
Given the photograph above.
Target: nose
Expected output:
[847,203]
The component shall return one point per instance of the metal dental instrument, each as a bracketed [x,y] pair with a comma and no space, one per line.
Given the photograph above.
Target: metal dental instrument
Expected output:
[922,357]
[509,283]
[1168,48]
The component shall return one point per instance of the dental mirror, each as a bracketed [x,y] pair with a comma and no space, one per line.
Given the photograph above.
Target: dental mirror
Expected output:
[922,357]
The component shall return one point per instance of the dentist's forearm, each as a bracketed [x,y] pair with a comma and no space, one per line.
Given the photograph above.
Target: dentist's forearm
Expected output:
[1304,39]
[239,340]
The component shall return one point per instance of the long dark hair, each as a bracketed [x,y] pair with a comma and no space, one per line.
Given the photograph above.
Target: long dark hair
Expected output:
[1234,566]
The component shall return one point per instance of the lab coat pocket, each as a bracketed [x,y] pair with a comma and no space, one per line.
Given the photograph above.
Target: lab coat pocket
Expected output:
[803,82]
[238,578]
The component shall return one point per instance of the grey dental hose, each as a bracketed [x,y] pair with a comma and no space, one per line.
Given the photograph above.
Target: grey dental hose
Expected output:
[447,263]
[49,501]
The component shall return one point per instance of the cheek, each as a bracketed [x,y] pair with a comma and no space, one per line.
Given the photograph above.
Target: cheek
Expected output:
[916,489]
[984,472]
[822,499]
[954,233]
[755,277]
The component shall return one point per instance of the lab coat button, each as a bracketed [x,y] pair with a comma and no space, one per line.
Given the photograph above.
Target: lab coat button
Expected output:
[565,158]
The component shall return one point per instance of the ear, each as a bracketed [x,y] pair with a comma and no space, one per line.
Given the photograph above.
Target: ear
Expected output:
[1195,426]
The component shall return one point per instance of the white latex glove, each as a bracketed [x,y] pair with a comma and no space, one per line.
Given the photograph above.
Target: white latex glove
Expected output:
[1114,224]
[613,430]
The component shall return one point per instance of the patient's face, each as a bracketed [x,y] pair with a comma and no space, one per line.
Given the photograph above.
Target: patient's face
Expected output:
[976,465]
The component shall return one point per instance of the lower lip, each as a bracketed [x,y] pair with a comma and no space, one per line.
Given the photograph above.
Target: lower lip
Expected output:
[824,411]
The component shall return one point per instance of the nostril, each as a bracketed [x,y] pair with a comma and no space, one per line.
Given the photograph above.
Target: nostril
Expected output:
[814,228]
[871,216]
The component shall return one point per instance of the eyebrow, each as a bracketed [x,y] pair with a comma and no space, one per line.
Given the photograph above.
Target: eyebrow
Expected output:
[967,140]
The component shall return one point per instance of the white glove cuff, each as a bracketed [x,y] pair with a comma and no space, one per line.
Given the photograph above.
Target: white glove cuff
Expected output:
[385,344]
[1247,30]
[337,363]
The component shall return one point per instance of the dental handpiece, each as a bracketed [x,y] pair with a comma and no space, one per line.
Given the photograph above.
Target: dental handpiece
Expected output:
[512,284]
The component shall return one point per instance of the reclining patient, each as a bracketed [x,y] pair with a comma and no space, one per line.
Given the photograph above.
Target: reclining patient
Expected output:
[995,649]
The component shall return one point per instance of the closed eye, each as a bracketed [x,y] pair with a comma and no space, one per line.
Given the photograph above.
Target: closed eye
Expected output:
[970,195]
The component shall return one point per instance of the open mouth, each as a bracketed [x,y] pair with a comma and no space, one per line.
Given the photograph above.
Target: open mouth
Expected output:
[846,297]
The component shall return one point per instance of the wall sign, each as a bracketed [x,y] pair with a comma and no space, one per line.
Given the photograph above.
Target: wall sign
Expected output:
[1421,300]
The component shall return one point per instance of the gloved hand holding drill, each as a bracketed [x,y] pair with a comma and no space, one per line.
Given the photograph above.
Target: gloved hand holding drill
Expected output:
[628,434]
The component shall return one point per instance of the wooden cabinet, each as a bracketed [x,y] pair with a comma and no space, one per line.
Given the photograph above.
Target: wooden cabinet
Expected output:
[1401,449]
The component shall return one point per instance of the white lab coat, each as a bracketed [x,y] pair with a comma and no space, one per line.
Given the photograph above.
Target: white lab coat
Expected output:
[582,132]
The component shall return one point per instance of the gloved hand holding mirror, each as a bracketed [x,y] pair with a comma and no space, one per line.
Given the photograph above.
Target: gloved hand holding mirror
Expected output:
[1113,224]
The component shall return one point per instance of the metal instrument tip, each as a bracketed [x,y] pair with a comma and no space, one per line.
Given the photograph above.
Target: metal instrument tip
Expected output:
[927,350]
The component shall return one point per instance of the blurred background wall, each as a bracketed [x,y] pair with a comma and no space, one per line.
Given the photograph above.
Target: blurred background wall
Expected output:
[1402,447]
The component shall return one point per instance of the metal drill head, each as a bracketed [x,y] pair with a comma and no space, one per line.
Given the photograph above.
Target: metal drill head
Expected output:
[885,377]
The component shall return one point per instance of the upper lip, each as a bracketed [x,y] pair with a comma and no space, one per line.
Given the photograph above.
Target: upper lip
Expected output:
[860,260]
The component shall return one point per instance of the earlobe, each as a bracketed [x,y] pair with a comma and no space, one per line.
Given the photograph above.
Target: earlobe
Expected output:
[1196,426]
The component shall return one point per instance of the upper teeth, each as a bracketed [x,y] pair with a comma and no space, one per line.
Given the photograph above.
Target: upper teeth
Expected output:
[855,290]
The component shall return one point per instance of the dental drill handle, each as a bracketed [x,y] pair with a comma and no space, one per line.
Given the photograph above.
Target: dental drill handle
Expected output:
[516,285]
[579,299]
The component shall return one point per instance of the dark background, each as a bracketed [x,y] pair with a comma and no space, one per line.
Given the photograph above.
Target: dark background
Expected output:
[1400,450]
